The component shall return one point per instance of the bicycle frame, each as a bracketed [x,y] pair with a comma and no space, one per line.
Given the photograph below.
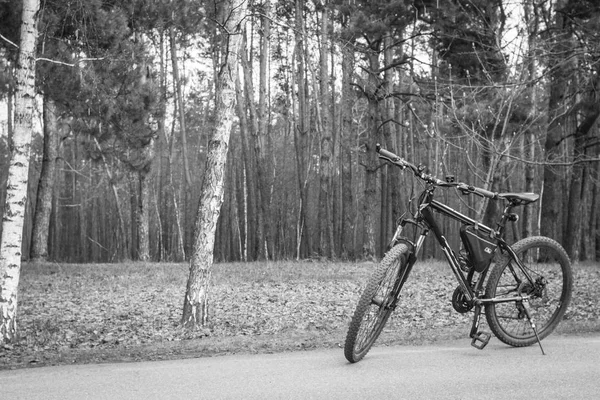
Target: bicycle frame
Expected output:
[509,284]
[425,221]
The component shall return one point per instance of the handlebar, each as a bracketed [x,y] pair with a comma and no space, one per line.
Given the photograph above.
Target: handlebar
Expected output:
[430,179]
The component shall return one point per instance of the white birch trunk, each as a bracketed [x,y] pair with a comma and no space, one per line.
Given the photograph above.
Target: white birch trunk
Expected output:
[16,191]
[195,308]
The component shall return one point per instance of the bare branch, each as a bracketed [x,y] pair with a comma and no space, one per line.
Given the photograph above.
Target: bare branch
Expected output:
[8,41]
[69,64]
[388,120]
[582,160]
[394,64]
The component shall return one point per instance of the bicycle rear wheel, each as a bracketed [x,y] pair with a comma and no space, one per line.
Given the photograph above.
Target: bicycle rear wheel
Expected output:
[376,303]
[549,293]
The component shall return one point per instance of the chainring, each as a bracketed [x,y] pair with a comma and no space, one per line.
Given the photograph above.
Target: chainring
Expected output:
[460,302]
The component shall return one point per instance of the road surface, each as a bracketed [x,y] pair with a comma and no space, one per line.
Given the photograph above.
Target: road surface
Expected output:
[449,370]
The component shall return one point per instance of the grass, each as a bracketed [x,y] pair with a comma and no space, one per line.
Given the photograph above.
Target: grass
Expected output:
[72,313]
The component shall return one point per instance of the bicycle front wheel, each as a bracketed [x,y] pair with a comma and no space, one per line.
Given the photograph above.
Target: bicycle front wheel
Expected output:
[376,303]
[549,291]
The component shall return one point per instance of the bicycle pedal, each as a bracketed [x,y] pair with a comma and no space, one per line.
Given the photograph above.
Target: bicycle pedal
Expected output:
[481,339]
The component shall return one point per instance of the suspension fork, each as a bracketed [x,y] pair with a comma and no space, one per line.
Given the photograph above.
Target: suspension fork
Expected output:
[410,262]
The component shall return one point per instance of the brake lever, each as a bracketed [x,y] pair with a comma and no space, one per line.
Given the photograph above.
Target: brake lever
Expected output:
[465,189]
[468,189]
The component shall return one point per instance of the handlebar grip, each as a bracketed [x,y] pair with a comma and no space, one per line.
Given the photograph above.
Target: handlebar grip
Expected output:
[385,153]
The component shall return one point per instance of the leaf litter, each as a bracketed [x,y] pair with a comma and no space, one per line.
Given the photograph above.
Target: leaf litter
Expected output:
[66,311]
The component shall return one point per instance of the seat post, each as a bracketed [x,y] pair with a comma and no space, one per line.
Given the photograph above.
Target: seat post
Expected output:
[507,215]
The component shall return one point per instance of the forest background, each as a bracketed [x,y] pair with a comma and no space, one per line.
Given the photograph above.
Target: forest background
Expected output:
[501,94]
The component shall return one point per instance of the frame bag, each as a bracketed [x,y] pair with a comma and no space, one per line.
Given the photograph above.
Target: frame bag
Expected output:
[479,246]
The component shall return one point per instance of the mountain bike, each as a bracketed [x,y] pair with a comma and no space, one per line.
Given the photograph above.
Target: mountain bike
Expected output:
[524,288]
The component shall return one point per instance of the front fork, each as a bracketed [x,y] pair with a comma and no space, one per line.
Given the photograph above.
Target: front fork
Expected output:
[412,257]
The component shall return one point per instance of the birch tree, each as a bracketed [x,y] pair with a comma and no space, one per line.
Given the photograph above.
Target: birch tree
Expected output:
[195,307]
[16,190]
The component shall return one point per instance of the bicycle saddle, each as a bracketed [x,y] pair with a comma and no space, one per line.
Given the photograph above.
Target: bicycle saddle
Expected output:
[519,199]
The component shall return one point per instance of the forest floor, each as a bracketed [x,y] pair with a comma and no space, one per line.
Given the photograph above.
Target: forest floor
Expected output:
[91,313]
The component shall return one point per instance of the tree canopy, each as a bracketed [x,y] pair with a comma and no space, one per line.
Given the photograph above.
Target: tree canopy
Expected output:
[501,94]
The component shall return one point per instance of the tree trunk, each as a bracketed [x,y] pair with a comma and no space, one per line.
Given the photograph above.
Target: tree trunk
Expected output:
[346,150]
[336,179]
[371,163]
[301,136]
[162,158]
[134,208]
[529,215]
[326,156]
[122,238]
[577,196]
[588,209]
[390,213]
[143,216]
[262,141]
[55,226]
[572,233]
[552,206]
[43,205]
[82,196]
[246,186]
[179,96]
[242,223]
[195,307]
[16,190]
[592,240]
[529,141]
[180,253]
[247,111]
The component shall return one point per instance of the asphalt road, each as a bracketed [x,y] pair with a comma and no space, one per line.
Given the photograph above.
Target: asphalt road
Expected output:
[450,370]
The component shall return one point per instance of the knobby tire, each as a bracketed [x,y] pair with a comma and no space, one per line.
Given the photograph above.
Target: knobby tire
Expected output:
[373,308]
[548,264]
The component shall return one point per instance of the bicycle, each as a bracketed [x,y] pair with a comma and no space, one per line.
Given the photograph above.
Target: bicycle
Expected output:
[526,293]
